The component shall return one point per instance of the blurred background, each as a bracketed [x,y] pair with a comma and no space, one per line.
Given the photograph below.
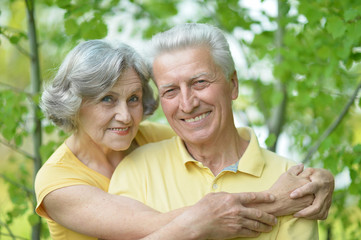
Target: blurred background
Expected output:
[298,64]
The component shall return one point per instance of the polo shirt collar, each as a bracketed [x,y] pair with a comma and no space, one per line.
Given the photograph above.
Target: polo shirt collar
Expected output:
[251,162]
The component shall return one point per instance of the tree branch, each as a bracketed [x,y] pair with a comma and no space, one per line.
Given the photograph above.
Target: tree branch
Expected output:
[332,127]
[8,229]
[27,190]
[18,47]
[16,149]
[13,236]
[15,89]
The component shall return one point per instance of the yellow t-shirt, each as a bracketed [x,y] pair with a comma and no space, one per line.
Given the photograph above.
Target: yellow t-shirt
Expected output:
[165,177]
[64,169]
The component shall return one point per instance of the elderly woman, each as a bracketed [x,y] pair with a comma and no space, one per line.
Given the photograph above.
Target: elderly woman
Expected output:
[100,95]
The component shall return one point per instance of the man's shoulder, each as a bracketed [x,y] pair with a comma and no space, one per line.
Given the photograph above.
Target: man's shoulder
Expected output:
[156,151]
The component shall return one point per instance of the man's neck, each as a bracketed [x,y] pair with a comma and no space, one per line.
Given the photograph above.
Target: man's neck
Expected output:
[224,151]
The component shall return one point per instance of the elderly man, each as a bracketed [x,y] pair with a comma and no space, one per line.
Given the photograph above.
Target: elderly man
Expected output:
[194,72]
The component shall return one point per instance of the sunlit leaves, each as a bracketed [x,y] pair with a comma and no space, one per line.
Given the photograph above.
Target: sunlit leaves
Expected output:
[63,3]
[71,26]
[160,8]
[93,29]
[13,116]
[335,26]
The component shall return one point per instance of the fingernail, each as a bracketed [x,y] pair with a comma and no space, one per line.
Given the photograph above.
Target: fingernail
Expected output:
[272,197]
[293,194]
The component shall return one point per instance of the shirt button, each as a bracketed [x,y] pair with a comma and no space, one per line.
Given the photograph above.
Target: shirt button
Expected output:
[215,186]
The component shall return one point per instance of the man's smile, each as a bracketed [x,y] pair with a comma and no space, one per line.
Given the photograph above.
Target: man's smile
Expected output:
[197,118]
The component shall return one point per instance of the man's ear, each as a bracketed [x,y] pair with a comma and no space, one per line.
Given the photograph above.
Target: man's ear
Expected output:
[234,85]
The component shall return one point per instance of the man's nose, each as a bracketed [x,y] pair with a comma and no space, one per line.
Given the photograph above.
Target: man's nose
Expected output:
[188,100]
[122,113]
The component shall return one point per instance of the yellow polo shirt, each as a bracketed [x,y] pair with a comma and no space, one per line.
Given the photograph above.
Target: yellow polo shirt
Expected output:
[64,169]
[164,176]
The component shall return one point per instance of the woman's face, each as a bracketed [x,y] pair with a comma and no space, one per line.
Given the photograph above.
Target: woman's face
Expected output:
[112,122]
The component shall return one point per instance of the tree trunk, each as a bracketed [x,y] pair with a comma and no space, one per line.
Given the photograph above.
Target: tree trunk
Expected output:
[277,118]
[35,80]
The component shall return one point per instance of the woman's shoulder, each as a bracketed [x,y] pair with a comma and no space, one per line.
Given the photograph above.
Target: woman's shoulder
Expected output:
[153,132]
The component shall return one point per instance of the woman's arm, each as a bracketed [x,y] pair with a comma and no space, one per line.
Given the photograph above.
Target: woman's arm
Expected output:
[219,216]
[93,212]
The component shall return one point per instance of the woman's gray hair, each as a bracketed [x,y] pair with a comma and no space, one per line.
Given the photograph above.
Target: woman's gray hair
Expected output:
[88,72]
[194,35]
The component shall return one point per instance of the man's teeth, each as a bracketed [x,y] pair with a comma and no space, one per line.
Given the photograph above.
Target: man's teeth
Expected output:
[119,129]
[196,118]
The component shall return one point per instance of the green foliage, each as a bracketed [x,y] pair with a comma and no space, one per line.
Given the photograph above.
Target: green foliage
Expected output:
[14,113]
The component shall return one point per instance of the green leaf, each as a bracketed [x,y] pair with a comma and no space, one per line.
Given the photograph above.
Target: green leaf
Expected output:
[33,219]
[323,52]
[94,29]
[351,14]
[49,2]
[357,148]
[63,3]
[18,140]
[71,26]
[335,26]
[353,32]
[14,39]
[271,139]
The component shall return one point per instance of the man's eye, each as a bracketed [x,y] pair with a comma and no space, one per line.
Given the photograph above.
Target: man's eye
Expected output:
[169,93]
[199,84]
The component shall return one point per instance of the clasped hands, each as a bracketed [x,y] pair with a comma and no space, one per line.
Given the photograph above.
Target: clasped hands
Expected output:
[303,193]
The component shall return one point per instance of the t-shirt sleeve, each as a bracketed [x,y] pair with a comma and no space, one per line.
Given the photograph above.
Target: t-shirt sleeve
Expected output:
[52,177]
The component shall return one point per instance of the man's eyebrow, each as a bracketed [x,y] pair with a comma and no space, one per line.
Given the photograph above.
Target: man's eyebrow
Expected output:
[199,75]
[191,78]
[166,85]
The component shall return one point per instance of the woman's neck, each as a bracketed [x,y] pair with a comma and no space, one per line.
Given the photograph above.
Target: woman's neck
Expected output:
[101,160]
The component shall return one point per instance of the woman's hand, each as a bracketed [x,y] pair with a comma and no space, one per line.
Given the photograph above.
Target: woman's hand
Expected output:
[321,185]
[224,215]
[281,189]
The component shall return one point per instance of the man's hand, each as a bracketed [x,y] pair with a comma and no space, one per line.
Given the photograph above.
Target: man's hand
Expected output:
[223,215]
[322,185]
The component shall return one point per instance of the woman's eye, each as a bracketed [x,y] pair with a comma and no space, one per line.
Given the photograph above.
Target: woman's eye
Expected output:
[107,99]
[134,98]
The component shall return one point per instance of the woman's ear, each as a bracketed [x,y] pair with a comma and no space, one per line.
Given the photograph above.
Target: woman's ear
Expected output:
[234,82]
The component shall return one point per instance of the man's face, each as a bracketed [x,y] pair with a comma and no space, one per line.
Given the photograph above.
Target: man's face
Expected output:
[195,95]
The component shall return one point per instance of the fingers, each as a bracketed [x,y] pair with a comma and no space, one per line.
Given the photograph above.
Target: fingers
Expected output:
[258,218]
[309,188]
[307,173]
[312,213]
[317,211]
[255,226]
[256,197]
[295,170]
